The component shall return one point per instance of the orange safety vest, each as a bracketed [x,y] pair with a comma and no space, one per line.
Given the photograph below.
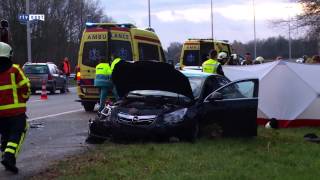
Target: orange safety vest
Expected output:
[14,92]
[66,67]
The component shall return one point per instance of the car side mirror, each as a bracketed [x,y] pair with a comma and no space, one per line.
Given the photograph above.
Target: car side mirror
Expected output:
[215,96]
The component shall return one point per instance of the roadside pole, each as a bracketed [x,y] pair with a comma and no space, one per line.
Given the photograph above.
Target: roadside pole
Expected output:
[254,29]
[149,13]
[212,36]
[28,33]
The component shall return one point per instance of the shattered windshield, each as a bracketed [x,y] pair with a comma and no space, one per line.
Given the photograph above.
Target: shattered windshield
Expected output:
[196,84]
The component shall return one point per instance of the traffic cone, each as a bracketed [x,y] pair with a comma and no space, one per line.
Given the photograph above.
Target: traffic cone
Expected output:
[44,95]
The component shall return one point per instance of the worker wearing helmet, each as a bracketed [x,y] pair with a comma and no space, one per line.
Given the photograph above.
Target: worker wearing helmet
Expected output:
[14,93]
[258,60]
[212,65]
[222,57]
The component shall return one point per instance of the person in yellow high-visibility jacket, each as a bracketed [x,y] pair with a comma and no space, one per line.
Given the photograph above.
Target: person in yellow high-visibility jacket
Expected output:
[103,80]
[212,65]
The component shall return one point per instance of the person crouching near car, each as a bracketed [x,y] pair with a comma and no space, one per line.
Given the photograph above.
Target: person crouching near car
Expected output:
[14,93]
[103,80]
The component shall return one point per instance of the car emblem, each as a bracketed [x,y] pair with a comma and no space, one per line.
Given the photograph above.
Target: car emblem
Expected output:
[135,119]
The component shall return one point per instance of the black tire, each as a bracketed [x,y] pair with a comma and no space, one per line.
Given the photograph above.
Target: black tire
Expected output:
[54,88]
[88,106]
[193,135]
[94,140]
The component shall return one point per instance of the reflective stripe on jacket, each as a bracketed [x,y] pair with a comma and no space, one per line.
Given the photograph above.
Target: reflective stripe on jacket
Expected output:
[210,66]
[114,62]
[14,92]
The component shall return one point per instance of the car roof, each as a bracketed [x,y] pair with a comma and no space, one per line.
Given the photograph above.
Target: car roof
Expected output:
[196,73]
[27,64]
[41,64]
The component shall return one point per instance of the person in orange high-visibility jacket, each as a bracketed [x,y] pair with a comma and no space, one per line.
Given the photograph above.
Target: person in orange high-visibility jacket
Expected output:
[14,93]
[66,69]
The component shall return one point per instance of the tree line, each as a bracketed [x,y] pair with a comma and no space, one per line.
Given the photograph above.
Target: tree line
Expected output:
[55,38]
[59,35]
[272,47]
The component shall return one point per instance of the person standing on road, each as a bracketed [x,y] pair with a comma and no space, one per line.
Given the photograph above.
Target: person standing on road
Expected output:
[4,33]
[103,80]
[14,93]
[212,65]
[247,59]
[66,69]
[223,58]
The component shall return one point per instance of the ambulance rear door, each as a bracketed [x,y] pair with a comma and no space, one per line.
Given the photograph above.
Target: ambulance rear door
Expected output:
[121,44]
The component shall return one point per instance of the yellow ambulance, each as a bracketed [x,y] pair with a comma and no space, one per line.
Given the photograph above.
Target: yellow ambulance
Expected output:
[195,51]
[99,41]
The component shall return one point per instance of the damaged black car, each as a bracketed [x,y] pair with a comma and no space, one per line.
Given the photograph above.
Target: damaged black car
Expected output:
[160,102]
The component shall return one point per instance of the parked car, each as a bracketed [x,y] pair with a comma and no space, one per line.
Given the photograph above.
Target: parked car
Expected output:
[48,72]
[162,102]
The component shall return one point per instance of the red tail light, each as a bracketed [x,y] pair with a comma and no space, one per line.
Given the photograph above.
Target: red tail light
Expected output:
[50,77]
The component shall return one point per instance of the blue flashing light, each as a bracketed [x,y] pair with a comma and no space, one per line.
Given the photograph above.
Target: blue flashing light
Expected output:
[90,24]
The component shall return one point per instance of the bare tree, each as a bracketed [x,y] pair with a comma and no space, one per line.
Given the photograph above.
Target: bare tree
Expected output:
[310,16]
[174,51]
[59,35]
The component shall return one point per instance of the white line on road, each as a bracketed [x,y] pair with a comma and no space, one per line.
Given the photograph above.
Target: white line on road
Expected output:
[35,101]
[54,115]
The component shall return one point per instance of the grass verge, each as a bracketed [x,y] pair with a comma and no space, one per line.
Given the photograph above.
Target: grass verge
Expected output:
[274,154]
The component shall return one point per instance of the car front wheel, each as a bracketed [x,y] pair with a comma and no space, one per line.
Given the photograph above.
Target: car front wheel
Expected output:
[93,139]
[54,88]
[193,133]
[88,106]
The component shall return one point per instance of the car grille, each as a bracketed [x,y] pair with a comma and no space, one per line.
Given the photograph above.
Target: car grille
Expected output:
[136,120]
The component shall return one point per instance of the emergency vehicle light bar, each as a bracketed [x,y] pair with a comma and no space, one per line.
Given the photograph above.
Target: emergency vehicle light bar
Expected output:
[200,39]
[108,25]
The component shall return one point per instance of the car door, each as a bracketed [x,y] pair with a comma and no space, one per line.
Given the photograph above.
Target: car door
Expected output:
[55,75]
[234,107]
[61,77]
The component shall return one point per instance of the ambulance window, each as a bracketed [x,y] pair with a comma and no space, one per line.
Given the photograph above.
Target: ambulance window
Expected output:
[226,49]
[148,52]
[122,49]
[162,55]
[191,58]
[93,52]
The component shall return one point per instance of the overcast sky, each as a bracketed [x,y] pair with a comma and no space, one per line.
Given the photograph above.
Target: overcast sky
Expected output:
[178,20]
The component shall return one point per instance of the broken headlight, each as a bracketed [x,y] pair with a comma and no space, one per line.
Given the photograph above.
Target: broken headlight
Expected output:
[175,116]
[106,112]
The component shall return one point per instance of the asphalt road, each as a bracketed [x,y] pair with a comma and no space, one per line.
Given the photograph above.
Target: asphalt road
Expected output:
[58,128]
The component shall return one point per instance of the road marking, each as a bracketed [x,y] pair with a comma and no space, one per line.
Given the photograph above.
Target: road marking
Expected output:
[54,115]
[34,101]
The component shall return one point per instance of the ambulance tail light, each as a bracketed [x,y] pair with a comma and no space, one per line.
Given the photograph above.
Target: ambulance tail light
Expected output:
[78,75]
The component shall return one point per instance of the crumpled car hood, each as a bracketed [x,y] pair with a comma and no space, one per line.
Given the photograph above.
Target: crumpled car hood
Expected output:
[149,75]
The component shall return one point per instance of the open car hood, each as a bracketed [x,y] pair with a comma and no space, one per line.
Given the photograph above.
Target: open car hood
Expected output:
[149,75]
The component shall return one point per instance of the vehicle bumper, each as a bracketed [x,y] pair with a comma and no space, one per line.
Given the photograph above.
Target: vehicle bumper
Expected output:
[152,131]
[38,85]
